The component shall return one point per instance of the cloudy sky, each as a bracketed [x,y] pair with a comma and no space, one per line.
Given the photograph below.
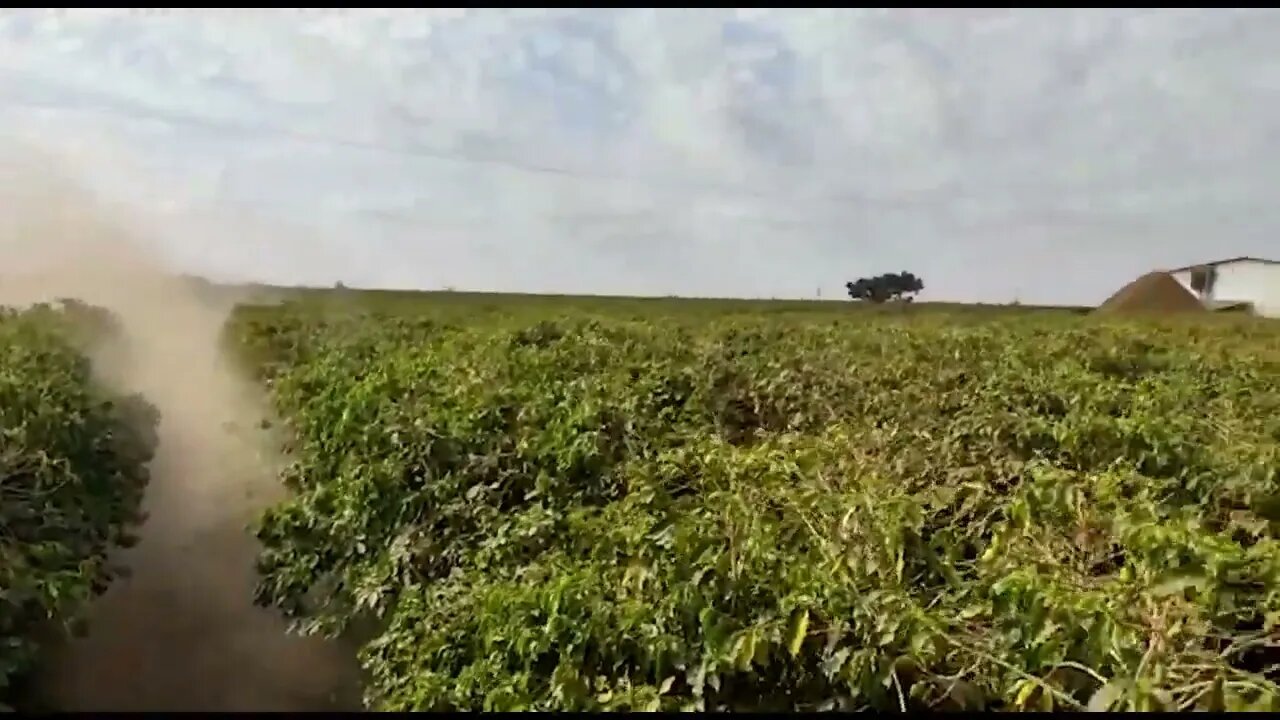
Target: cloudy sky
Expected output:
[1040,155]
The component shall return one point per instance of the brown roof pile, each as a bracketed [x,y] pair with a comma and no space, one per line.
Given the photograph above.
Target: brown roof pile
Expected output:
[1153,293]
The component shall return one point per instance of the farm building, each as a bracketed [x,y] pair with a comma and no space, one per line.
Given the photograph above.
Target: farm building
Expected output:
[1241,284]
[1246,282]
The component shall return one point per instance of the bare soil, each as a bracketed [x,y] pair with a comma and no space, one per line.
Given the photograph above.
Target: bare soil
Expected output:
[1154,293]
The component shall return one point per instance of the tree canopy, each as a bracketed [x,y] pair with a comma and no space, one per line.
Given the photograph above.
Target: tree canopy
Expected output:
[882,288]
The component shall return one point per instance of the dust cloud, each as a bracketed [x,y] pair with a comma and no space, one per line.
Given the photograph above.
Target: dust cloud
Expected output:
[181,631]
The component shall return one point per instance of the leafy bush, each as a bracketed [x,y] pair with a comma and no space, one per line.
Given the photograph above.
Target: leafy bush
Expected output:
[72,472]
[595,513]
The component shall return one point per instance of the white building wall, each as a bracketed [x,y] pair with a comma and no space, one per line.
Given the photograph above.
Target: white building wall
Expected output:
[1183,277]
[1244,281]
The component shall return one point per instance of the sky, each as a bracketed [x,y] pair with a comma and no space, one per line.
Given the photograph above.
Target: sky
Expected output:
[1040,155]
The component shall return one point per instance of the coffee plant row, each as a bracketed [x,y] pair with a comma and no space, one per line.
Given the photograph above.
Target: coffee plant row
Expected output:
[780,513]
[72,471]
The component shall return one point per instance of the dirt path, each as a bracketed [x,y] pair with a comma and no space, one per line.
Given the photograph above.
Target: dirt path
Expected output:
[182,632]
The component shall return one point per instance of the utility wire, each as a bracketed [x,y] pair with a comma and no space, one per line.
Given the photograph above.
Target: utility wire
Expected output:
[928,200]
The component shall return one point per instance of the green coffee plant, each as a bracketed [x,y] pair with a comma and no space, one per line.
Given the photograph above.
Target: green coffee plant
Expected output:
[610,512]
[72,472]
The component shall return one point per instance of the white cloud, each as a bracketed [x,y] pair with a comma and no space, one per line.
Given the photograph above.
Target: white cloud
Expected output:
[1047,153]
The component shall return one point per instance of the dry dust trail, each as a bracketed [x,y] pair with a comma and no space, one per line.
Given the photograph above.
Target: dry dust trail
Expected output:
[181,633]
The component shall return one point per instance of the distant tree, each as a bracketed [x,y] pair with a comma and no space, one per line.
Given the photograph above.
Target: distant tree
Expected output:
[882,288]
[868,289]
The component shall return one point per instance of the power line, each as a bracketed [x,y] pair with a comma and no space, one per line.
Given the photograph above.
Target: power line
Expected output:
[929,202]
[136,113]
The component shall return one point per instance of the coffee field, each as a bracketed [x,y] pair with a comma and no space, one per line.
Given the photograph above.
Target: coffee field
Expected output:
[650,505]
[576,509]
[72,473]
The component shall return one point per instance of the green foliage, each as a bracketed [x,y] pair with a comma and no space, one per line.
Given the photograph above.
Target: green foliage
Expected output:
[882,288]
[598,513]
[72,472]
